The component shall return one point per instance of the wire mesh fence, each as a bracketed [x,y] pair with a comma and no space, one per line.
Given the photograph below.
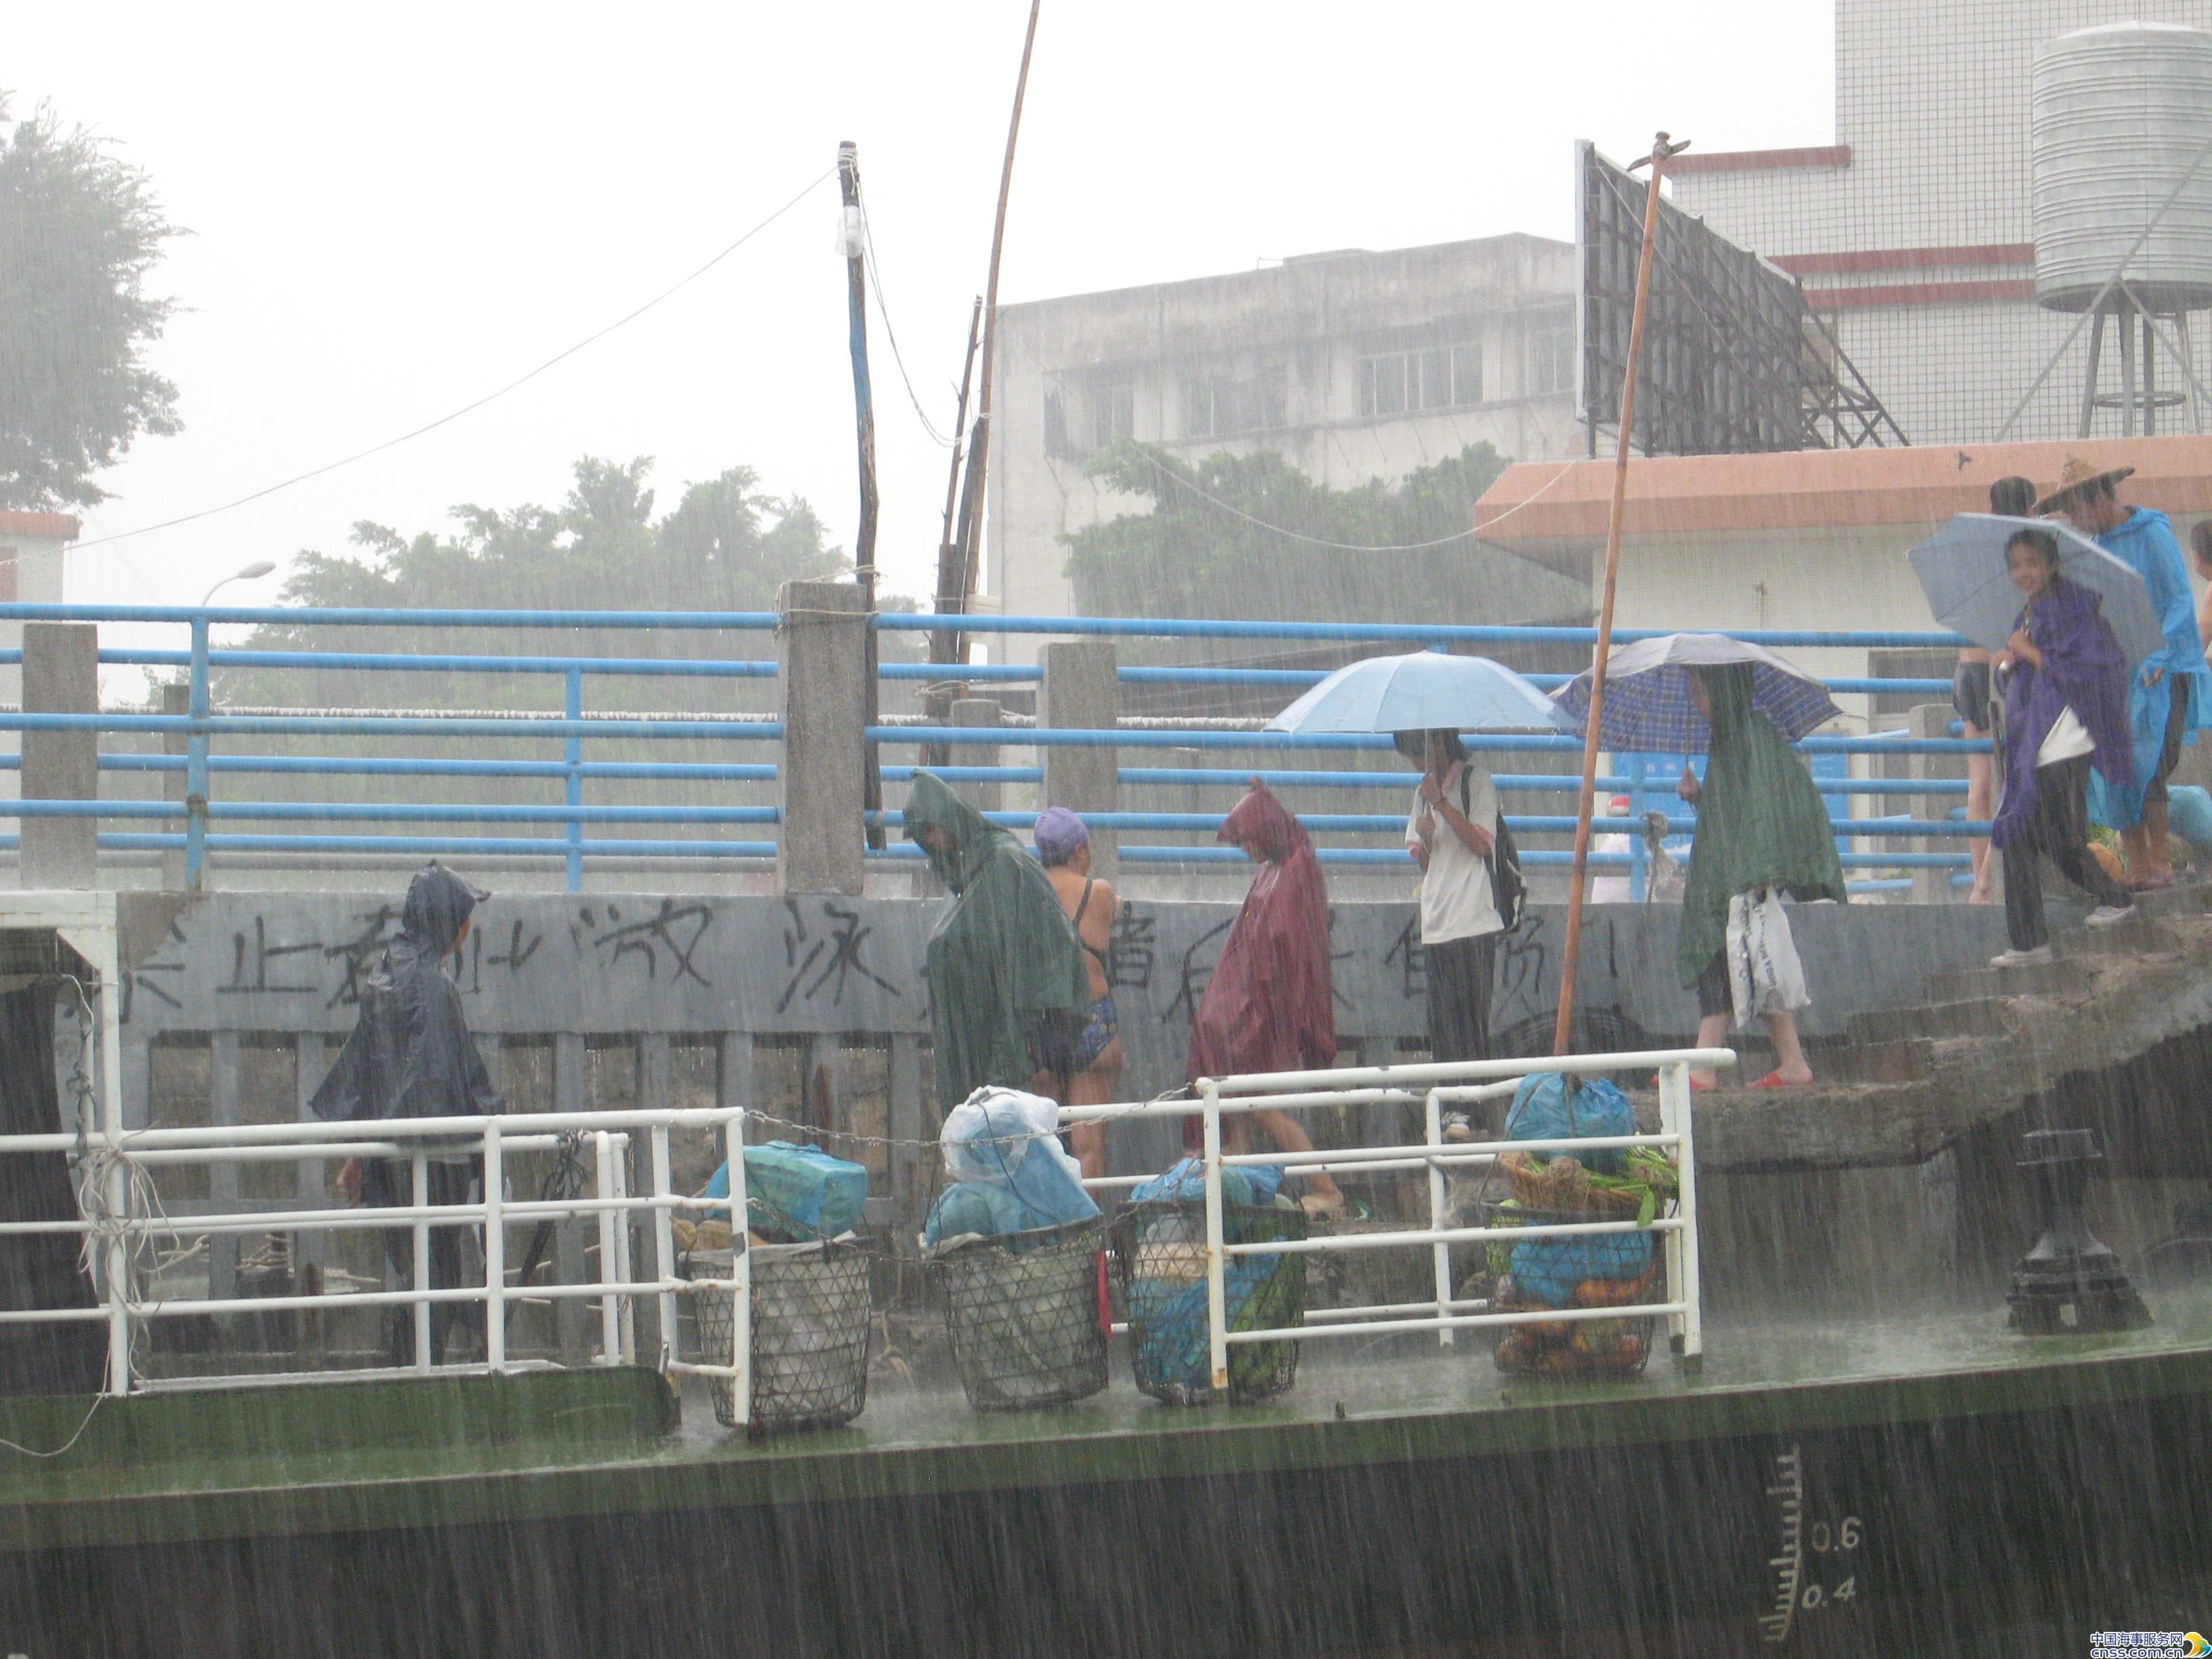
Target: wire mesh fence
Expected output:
[811,1315]
[1160,1251]
[1027,1316]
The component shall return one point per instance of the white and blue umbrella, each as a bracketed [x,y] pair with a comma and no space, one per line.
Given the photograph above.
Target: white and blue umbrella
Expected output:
[1421,692]
[1969,588]
[1647,694]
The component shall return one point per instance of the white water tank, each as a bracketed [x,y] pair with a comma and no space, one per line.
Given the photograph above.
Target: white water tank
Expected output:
[2120,115]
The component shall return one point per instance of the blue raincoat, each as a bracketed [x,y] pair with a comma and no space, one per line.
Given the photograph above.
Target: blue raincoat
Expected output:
[2144,541]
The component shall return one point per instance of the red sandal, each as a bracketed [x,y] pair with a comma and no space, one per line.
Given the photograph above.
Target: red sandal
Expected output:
[1775,1080]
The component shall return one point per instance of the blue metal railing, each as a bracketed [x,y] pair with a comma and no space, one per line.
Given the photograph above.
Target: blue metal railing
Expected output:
[199,824]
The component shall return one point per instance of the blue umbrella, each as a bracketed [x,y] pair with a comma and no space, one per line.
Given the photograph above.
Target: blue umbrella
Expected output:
[1421,692]
[1647,694]
[1962,570]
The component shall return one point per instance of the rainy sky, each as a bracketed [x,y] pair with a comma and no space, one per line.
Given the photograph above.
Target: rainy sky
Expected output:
[397,209]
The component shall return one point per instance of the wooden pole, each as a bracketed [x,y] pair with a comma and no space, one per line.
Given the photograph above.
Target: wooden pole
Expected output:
[864,415]
[1570,957]
[950,570]
[972,532]
[951,560]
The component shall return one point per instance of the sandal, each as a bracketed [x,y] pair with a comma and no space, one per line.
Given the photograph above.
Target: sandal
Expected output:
[1775,1080]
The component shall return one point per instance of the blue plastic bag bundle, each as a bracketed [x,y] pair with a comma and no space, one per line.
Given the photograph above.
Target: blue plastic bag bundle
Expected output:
[1545,1109]
[1550,1269]
[1241,1183]
[795,1193]
[1010,1173]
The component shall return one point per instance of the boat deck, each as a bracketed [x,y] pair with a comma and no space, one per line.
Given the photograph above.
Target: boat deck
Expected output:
[452,1447]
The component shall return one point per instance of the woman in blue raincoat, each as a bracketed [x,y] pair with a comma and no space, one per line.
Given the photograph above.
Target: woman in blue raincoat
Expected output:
[2168,684]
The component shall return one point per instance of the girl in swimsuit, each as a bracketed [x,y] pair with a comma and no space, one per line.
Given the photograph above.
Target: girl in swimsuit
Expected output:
[1063,845]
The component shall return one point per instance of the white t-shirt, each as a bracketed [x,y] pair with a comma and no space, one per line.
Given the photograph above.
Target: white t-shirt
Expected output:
[2067,738]
[1457,898]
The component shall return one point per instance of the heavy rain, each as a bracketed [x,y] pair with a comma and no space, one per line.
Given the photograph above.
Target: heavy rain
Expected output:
[1037,829]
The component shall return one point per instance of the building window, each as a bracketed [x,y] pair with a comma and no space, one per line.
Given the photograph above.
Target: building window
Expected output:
[1213,406]
[1551,342]
[1112,414]
[1079,422]
[1442,377]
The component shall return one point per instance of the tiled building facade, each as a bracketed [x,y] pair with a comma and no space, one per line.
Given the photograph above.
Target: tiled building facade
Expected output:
[1913,231]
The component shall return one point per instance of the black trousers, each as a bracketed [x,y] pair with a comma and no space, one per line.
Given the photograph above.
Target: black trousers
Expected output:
[2169,751]
[2062,830]
[387,1183]
[1460,972]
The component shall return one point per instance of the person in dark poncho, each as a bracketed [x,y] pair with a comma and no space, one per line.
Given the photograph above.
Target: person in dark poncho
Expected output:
[1008,996]
[1761,825]
[411,1055]
[1267,1006]
[2066,708]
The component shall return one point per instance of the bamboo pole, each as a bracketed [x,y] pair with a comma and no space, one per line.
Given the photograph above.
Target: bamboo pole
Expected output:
[979,453]
[1570,957]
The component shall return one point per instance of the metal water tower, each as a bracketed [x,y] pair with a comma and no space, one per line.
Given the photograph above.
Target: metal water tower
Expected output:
[2122,150]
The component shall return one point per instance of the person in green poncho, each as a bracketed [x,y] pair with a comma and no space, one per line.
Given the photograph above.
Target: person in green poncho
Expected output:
[1008,995]
[1761,825]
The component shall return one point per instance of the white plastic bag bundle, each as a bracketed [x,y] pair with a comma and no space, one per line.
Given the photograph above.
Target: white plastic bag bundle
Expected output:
[1005,1139]
[1764,976]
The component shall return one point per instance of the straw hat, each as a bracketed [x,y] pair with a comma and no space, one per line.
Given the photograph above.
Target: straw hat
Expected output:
[2078,475]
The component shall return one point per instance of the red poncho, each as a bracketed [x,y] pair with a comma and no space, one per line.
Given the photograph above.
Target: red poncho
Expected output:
[1267,1006]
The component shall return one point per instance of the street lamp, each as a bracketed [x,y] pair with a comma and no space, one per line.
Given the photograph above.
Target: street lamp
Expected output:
[253,572]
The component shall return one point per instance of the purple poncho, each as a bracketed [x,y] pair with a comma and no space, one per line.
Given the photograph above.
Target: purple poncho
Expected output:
[2083,670]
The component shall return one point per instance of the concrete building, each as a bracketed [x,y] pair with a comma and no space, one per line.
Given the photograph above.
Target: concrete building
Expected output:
[1351,365]
[1913,231]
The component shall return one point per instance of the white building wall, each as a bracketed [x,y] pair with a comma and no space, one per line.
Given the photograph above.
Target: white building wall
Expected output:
[1932,98]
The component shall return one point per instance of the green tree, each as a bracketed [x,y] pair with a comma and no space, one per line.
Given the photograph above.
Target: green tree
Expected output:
[79,231]
[727,546]
[1214,546]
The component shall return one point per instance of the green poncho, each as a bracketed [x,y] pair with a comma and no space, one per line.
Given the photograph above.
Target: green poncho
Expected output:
[1001,958]
[1760,822]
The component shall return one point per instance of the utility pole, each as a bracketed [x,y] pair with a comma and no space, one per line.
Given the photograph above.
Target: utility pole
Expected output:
[864,414]
[968,546]
[1570,957]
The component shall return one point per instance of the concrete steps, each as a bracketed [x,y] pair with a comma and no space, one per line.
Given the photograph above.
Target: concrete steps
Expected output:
[1981,1016]
[2054,978]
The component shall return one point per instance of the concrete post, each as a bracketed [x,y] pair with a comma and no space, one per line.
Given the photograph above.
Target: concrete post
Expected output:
[1933,720]
[175,700]
[61,676]
[1082,688]
[821,694]
[983,712]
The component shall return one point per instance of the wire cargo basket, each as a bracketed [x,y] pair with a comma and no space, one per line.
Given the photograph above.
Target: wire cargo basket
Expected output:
[812,1316]
[1596,1270]
[1159,1253]
[1026,1315]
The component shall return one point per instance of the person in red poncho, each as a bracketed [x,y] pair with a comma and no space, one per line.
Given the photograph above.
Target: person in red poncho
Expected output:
[1267,1006]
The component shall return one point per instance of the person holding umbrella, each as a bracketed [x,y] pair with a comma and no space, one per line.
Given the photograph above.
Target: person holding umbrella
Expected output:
[2169,681]
[1452,835]
[1762,827]
[1762,830]
[2066,703]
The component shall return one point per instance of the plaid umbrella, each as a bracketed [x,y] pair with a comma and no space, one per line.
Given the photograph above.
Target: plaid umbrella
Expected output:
[1647,694]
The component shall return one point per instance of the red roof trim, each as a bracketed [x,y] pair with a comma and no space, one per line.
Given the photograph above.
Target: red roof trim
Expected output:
[1905,258]
[1760,160]
[1919,293]
[50,527]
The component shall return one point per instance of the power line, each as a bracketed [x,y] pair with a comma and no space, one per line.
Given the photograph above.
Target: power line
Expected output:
[1469,534]
[884,310]
[470,408]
